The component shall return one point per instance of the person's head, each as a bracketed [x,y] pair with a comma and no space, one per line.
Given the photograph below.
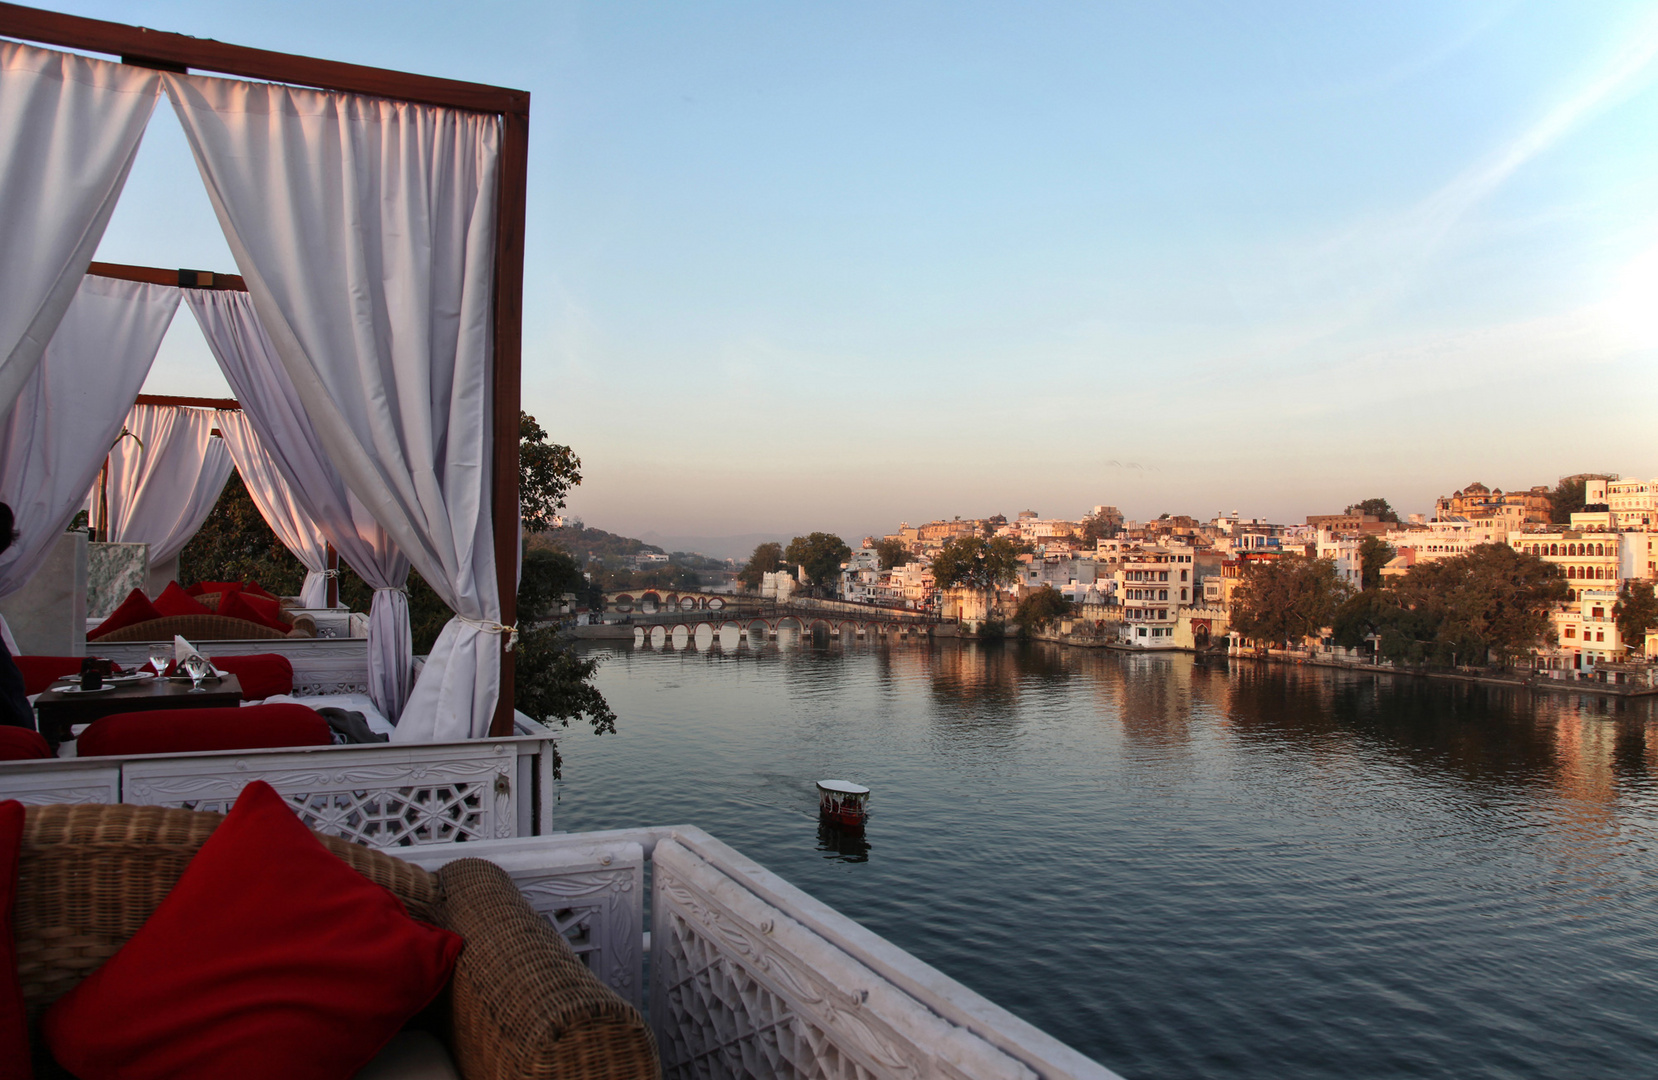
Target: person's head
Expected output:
[8,528]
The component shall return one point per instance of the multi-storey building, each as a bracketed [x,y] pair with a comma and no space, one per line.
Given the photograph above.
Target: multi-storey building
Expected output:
[1592,561]
[1444,539]
[1476,502]
[1154,583]
[1631,504]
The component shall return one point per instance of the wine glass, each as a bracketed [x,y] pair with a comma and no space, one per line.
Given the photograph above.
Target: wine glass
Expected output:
[195,666]
[159,657]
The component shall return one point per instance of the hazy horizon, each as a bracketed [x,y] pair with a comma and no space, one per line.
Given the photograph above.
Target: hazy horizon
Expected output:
[796,268]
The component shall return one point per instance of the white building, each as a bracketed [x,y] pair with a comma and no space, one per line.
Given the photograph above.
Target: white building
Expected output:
[1154,581]
[1632,504]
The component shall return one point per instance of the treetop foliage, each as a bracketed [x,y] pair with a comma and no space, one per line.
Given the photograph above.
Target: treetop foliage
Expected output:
[1636,612]
[975,562]
[1376,508]
[820,554]
[1039,607]
[546,473]
[892,552]
[767,558]
[1287,599]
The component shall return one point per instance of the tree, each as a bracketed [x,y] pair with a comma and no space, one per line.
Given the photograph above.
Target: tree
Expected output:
[767,558]
[1567,497]
[1374,553]
[547,575]
[892,552]
[552,682]
[235,544]
[976,562]
[1490,600]
[1636,612]
[1376,508]
[1040,606]
[1101,526]
[546,473]
[820,554]
[1288,599]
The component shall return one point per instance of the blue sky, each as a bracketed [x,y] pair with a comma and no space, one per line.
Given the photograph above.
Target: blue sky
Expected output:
[798,266]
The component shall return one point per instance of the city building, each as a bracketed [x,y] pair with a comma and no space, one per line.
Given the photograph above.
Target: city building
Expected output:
[1154,581]
[1630,504]
[1476,501]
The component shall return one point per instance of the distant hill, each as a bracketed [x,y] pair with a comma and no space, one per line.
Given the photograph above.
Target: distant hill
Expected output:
[586,543]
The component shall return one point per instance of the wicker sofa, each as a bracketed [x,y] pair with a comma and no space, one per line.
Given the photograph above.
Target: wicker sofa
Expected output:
[520,1003]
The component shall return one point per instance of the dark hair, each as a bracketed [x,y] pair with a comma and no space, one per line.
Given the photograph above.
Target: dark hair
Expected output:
[8,529]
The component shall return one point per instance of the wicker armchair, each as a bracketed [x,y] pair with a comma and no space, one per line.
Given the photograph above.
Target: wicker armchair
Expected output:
[521,1004]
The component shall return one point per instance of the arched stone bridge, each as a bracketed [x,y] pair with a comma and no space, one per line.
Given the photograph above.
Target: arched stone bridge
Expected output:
[736,630]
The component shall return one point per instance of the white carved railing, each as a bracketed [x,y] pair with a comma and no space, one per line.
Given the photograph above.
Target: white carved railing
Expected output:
[321,665]
[752,977]
[391,795]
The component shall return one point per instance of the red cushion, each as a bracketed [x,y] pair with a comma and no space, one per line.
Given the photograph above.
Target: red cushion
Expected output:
[261,674]
[202,587]
[21,744]
[136,608]
[39,672]
[271,957]
[253,588]
[269,609]
[14,1025]
[236,606]
[183,731]
[175,601]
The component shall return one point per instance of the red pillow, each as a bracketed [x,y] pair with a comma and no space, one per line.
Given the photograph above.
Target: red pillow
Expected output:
[202,587]
[175,601]
[14,1024]
[269,609]
[261,674]
[234,606]
[184,731]
[271,957]
[136,608]
[39,672]
[21,744]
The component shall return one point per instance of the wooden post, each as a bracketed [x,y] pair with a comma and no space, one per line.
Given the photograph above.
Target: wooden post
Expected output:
[509,315]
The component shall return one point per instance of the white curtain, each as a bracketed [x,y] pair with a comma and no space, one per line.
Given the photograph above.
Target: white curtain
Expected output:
[273,411]
[53,441]
[275,500]
[365,229]
[164,478]
[69,130]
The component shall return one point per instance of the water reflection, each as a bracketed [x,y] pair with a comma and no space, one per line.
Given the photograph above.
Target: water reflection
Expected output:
[843,845]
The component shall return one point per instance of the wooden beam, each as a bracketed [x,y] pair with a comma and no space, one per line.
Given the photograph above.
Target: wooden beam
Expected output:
[229,404]
[509,315]
[155,275]
[176,52]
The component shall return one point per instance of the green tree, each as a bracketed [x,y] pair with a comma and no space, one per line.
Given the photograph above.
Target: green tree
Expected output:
[546,473]
[1636,612]
[892,552]
[547,576]
[1039,607]
[820,554]
[1567,497]
[1374,553]
[1100,526]
[975,562]
[235,544]
[1491,601]
[553,683]
[1287,599]
[1376,508]
[766,559]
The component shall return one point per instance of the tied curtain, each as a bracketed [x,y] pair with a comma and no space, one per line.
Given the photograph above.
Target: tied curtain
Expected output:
[164,477]
[365,231]
[69,131]
[275,500]
[53,441]
[274,413]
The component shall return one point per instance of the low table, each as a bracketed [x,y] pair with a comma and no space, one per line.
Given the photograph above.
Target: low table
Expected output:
[59,712]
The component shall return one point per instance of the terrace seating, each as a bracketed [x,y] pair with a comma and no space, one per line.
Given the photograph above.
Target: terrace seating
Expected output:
[520,1003]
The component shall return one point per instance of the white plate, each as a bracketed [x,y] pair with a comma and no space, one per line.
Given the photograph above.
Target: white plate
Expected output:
[78,690]
[140,676]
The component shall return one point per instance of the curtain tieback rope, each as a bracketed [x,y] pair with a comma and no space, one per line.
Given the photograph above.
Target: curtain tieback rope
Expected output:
[404,589]
[493,628]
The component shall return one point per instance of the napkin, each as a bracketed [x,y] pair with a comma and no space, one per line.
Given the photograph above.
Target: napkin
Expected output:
[183,649]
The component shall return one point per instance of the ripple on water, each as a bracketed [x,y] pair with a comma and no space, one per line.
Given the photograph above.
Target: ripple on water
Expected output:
[1183,870]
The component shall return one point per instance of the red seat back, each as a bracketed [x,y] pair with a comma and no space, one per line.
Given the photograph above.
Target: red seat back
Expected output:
[182,731]
[261,674]
[21,744]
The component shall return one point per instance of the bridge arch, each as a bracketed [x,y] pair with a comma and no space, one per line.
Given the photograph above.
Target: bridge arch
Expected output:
[624,602]
[659,635]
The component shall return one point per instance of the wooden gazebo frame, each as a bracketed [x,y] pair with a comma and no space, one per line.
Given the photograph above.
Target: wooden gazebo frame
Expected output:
[142,47]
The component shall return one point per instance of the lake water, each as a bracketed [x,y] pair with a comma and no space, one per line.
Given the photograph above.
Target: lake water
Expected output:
[1186,869]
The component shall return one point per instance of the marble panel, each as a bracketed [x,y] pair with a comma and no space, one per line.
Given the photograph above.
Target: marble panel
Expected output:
[113,571]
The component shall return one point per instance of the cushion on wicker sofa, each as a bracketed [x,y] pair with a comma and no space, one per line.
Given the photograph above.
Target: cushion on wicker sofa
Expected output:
[124,859]
[190,627]
[175,601]
[184,731]
[21,744]
[14,1020]
[269,958]
[136,608]
[237,606]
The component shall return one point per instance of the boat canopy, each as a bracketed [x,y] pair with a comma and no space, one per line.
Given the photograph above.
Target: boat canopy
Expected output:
[842,787]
